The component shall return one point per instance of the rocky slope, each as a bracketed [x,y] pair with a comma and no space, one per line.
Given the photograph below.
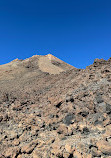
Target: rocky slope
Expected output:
[49,109]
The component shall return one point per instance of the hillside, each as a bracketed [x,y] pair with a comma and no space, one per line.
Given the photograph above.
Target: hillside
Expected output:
[50,109]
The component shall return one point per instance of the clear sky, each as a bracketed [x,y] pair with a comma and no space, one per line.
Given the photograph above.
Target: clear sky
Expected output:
[76,31]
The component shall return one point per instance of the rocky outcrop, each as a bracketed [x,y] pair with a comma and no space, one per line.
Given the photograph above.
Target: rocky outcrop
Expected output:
[49,109]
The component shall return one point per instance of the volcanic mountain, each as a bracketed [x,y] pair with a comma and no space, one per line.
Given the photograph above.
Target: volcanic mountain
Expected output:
[50,109]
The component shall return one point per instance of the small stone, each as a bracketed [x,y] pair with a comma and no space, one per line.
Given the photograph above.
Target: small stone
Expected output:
[95,152]
[104,147]
[77,154]
[68,148]
[29,147]
[16,142]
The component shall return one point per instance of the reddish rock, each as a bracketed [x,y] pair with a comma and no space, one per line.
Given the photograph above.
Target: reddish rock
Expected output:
[49,108]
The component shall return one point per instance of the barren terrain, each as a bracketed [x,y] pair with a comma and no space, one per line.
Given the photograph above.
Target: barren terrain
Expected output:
[50,109]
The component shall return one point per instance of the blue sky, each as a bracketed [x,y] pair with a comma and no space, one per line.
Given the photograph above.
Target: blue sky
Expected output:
[76,31]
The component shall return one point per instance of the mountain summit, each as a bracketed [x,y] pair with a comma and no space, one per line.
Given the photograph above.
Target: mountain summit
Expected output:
[50,109]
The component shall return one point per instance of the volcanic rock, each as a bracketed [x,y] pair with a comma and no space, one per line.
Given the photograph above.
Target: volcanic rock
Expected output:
[50,109]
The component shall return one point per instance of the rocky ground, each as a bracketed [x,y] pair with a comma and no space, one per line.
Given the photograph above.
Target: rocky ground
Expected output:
[49,109]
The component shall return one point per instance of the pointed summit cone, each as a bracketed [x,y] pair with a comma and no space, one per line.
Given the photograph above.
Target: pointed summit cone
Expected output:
[37,71]
[52,58]
[52,64]
[33,66]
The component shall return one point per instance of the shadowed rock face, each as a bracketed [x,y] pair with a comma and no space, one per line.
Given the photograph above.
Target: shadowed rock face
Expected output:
[49,109]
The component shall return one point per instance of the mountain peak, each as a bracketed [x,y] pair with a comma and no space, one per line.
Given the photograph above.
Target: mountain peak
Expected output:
[52,64]
[52,57]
